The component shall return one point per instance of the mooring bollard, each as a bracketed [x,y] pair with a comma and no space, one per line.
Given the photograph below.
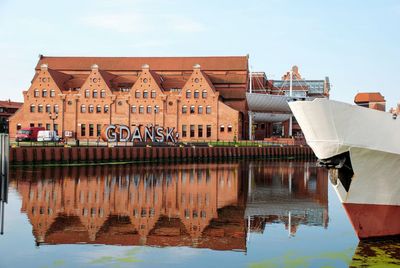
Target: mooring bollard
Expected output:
[4,163]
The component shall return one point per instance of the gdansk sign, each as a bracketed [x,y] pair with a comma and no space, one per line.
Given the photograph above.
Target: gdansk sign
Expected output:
[123,133]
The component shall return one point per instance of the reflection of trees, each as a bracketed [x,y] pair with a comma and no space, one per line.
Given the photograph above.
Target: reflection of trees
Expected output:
[378,253]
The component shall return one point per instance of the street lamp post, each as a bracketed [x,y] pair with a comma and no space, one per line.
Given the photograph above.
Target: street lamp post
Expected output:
[53,117]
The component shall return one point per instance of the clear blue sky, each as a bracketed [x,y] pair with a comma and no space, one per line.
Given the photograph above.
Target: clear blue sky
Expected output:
[355,43]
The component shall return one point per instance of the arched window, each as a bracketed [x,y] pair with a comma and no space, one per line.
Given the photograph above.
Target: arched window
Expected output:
[40,108]
[52,93]
[200,109]
[188,94]
[184,109]
[204,94]
[83,108]
[137,94]
[36,93]
[192,109]
[196,94]
[133,109]
[229,128]
[55,108]
[106,108]
[221,128]
[208,109]
[141,109]
[145,94]
[102,93]
[98,109]
[87,93]
[48,108]
[91,108]
[95,93]
[32,108]
[44,93]
[156,109]
[153,94]
[148,109]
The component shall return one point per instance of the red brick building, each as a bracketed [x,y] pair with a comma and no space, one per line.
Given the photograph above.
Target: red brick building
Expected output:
[203,98]
[373,100]
[7,109]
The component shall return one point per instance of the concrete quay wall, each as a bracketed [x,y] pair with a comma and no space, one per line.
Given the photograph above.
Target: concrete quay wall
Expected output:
[54,155]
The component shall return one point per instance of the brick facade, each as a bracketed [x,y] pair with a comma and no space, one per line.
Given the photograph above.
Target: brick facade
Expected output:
[82,97]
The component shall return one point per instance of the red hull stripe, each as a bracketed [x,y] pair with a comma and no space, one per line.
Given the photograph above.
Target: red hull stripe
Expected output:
[374,220]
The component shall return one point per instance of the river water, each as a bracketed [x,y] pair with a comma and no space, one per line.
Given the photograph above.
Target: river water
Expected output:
[231,214]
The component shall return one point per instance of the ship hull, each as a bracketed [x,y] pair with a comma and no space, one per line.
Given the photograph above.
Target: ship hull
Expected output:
[367,183]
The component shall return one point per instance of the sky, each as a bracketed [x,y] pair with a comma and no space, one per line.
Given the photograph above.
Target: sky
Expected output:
[355,43]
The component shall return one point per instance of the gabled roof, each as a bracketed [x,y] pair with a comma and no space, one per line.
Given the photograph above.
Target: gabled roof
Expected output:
[369,97]
[225,63]
[59,78]
[107,77]
[207,80]
[157,78]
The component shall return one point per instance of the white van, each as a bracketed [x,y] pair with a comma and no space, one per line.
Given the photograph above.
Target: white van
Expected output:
[47,135]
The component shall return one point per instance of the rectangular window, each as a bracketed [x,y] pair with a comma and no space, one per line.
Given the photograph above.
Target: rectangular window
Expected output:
[157,109]
[52,93]
[56,128]
[200,131]
[133,109]
[103,94]
[149,109]
[184,131]
[98,109]
[191,131]
[137,94]
[192,109]
[153,94]
[36,93]
[98,130]
[40,125]
[32,109]
[40,108]
[196,94]
[221,128]
[145,94]
[56,108]
[105,108]
[87,93]
[184,109]
[229,128]
[141,109]
[32,125]
[91,130]
[208,131]
[200,110]
[83,130]
[47,126]
[48,109]
[204,94]
[208,110]
[44,93]
[94,93]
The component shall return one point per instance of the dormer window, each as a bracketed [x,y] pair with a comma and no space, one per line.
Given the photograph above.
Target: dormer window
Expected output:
[44,93]
[52,93]
[188,94]
[95,93]
[87,93]
[36,93]
[196,94]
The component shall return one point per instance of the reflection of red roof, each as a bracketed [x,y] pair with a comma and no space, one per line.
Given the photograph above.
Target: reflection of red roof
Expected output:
[135,63]
[369,97]
[10,104]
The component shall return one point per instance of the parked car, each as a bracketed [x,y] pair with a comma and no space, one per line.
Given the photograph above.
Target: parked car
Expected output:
[28,134]
[47,135]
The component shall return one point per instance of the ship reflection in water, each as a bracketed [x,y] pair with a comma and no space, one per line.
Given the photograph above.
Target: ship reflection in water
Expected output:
[212,206]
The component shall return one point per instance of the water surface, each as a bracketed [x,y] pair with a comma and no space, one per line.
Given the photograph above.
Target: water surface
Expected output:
[236,214]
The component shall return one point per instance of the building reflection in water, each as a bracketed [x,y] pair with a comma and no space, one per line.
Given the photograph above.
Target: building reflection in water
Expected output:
[292,193]
[198,205]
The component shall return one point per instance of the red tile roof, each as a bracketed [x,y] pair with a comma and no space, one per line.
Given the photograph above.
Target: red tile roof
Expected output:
[369,97]
[226,63]
[10,104]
